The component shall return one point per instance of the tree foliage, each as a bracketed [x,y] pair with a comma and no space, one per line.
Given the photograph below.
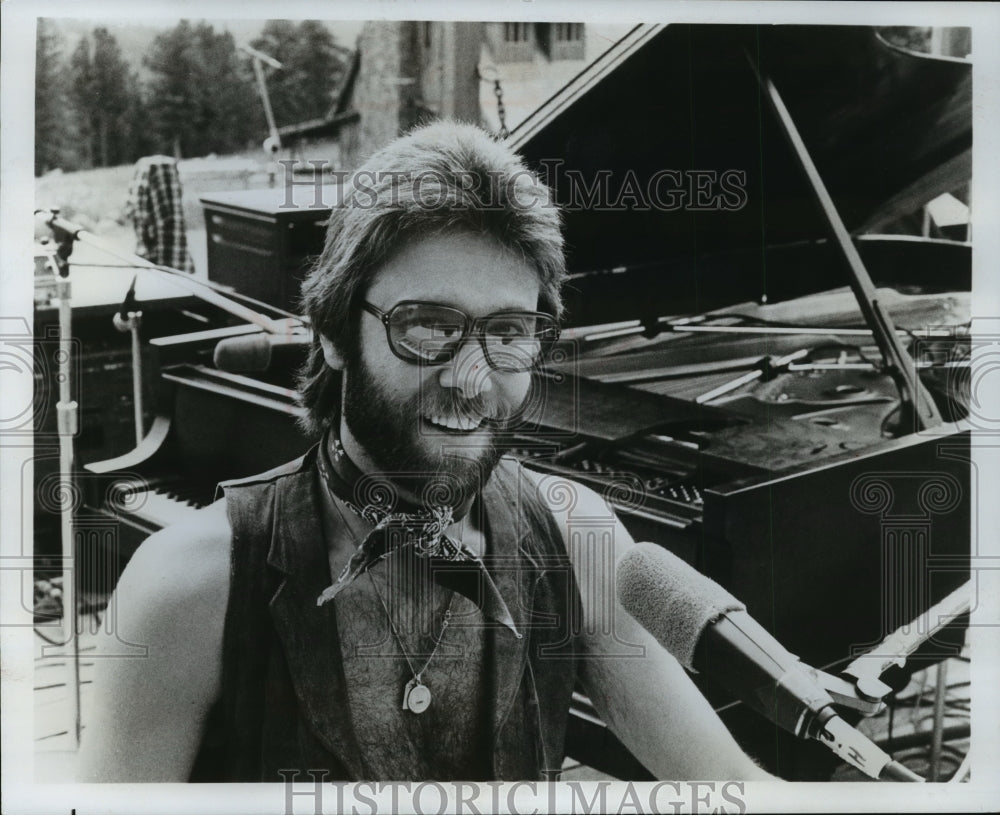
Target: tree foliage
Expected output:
[81,82]
[108,103]
[312,67]
[173,92]
[86,112]
[199,95]
[51,142]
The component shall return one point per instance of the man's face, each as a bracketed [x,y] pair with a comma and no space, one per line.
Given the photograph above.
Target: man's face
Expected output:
[406,417]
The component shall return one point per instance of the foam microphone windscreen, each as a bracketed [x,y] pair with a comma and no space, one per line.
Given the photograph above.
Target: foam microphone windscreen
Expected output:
[239,354]
[670,599]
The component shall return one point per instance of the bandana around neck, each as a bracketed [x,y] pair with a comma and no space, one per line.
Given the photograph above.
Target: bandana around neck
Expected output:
[376,499]
[399,524]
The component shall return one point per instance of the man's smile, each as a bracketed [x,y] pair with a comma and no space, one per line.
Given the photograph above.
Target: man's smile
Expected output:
[454,424]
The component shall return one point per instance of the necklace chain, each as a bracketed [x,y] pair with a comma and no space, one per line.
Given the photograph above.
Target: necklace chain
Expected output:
[399,640]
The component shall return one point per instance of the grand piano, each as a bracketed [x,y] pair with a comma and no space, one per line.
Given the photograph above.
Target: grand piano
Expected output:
[719,380]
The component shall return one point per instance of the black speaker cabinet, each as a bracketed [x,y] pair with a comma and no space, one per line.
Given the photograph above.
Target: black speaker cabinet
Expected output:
[262,242]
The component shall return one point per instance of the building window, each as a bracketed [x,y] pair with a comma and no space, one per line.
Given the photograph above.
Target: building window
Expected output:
[516,32]
[512,42]
[568,32]
[562,40]
[428,30]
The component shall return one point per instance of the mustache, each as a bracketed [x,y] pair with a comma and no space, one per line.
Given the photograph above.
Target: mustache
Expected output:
[494,408]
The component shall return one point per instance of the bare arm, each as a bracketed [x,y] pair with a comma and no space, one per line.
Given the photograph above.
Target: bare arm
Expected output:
[640,690]
[149,711]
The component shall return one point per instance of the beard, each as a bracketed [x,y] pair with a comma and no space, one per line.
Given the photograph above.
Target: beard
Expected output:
[428,462]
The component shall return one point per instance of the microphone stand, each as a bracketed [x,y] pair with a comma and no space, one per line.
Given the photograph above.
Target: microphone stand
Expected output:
[900,644]
[66,234]
[67,424]
[203,290]
[127,319]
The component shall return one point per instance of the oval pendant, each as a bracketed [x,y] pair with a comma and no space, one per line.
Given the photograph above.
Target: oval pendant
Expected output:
[418,697]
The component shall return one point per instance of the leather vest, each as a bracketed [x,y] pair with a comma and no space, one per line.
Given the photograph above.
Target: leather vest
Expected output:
[282,704]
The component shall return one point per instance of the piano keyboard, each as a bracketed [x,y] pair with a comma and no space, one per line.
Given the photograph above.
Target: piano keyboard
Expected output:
[666,490]
[663,486]
[157,504]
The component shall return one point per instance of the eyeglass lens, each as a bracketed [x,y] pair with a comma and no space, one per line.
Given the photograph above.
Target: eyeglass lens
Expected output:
[512,341]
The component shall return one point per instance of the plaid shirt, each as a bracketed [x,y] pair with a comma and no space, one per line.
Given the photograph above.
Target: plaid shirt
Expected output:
[155,206]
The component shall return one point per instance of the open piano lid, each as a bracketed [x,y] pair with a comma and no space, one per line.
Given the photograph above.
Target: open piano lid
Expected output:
[887,129]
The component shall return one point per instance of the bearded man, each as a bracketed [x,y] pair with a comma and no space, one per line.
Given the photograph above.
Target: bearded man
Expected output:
[404,601]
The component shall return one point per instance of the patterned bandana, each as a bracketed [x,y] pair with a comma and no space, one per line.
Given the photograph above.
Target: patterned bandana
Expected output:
[399,525]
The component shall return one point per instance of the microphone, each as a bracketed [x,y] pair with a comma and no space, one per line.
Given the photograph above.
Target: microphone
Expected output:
[707,629]
[255,352]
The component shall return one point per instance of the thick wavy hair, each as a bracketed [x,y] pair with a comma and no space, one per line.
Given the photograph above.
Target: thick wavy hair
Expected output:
[439,178]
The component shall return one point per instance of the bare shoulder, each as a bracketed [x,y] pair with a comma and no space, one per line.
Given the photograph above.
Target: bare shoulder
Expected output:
[593,535]
[163,640]
[185,561]
[571,503]
[175,589]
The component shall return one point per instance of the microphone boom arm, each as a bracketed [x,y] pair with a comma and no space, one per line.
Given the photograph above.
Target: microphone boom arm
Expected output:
[902,642]
[66,232]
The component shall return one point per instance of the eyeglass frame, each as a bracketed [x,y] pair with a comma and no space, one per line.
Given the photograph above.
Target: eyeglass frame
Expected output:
[473,329]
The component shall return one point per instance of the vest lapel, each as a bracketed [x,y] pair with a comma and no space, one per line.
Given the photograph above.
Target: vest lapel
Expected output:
[312,646]
[515,572]
[309,632]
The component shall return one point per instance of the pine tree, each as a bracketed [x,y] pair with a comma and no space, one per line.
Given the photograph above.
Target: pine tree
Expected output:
[110,100]
[200,98]
[81,94]
[52,123]
[312,67]
[136,119]
[226,101]
[173,96]
[318,65]
[103,91]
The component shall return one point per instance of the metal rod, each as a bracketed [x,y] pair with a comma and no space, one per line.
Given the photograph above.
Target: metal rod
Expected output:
[895,648]
[135,318]
[913,395]
[732,385]
[258,70]
[626,331]
[767,365]
[922,737]
[67,423]
[940,692]
[200,289]
[774,329]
